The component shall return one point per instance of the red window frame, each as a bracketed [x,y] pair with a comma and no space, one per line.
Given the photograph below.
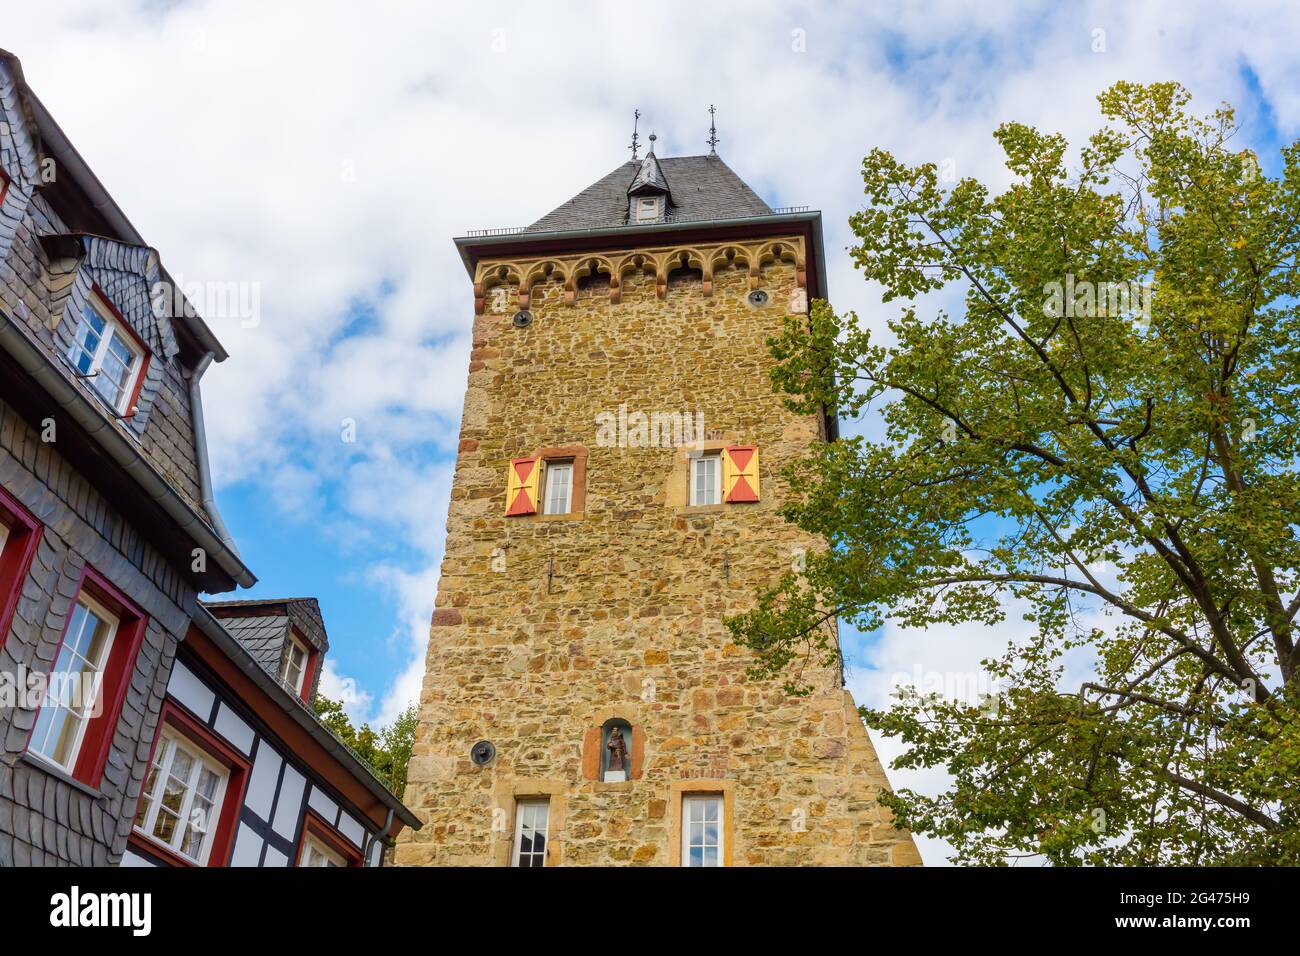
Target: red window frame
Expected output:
[145,353]
[309,673]
[5,180]
[314,824]
[16,558]
[181,721]
[98,737]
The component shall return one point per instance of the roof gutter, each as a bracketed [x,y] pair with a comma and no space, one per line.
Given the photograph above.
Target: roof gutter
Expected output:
[238,654]
[201,456]
[120,449]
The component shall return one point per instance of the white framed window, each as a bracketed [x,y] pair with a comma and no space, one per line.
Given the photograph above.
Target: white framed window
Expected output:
[706,480]
[531,818]
[75,684]
[316,853]
[702,836]
[558,499]
[647,208]
[107,354]
[293,666]
[182,797]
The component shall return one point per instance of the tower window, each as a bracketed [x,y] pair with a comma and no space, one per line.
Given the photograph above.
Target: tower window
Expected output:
[107,353]
[647,208]
[531,817]
[559,488]
[702,836]
[705,480]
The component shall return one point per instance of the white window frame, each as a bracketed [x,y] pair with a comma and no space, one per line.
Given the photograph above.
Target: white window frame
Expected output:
[169,743]
[297,685]
[647,208]
[715,490]
[690,801]
[113,330]
[552,472]
[83,713]
[313,844]
[517,854]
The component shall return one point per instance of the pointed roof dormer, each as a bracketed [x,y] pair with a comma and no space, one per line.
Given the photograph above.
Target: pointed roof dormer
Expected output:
[648,197]
[650,177]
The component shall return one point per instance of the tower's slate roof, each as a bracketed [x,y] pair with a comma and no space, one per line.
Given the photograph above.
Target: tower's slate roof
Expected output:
[702,188]
[650,177]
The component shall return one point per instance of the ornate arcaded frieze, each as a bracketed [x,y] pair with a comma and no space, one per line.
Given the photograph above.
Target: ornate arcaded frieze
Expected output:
[570,270]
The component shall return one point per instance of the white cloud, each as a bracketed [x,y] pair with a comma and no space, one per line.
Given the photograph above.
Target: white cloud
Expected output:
[356,702]
[329,150]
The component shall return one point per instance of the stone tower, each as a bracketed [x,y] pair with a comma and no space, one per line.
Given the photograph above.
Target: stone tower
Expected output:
[615,497]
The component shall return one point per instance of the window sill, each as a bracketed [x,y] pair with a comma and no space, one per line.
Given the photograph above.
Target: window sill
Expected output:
[702,509]
[58,773]
[146,845]
[568,516]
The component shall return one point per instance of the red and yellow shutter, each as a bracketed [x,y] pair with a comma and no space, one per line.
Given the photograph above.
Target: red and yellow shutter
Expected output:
[740,473]
[521,489]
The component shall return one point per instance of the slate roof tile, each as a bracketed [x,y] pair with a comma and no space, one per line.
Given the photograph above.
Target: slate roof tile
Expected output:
[702,188]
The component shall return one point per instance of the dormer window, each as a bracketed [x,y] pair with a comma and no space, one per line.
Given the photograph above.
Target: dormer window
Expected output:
[647,208]
[108,353]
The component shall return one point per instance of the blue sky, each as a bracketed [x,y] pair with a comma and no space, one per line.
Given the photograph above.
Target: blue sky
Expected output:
[326,153]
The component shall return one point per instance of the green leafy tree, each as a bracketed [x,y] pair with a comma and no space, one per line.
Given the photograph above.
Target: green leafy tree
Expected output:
[1089,455]
[387,751]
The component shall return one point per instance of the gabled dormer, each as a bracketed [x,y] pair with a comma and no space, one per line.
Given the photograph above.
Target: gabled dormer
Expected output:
[106,327]
[285,636]
[649,198]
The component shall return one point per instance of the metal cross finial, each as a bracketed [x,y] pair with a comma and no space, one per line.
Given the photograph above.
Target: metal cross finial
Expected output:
[636,118]
[713,133]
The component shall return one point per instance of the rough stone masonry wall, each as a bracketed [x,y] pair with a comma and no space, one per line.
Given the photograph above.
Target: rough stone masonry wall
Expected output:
[640,586]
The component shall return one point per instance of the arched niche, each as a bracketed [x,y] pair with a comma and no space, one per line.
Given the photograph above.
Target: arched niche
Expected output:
[615,750]
[596,751]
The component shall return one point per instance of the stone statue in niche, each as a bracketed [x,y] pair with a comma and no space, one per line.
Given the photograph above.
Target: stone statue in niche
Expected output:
[616,770]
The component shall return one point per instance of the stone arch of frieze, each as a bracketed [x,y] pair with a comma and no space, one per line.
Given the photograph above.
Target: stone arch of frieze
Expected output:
[544,270]
[490,276]
[646,263]
[689,258]
[753,257]
[782,250]
[586,267]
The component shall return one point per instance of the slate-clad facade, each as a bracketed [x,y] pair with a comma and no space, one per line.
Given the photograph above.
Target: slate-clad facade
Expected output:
[108,535]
